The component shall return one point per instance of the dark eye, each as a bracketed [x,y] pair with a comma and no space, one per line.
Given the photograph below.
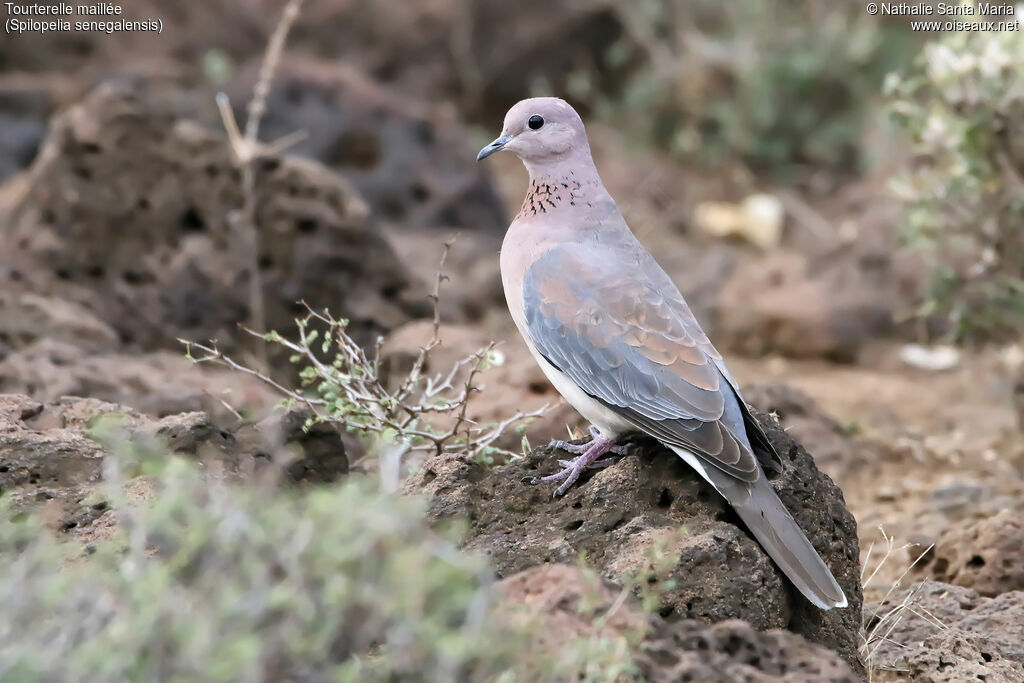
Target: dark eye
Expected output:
[535,122]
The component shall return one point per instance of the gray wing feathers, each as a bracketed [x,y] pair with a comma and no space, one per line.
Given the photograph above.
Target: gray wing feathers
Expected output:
[639,351]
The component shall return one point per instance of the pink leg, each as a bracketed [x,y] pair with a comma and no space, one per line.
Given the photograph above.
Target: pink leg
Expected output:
[580,448]
[590,458]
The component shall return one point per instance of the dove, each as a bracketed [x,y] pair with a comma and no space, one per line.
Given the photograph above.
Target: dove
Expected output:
[615,337]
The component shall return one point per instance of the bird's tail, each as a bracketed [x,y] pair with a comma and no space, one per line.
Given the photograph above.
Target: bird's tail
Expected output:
[778,533]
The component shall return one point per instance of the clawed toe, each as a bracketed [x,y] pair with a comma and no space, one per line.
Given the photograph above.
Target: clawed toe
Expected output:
[560,491]
[581,448]
[589,457]
[575,449]
[558,476]
[564,474]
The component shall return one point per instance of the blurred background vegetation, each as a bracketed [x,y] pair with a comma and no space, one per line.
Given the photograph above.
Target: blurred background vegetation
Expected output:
[961,103]
[788,88]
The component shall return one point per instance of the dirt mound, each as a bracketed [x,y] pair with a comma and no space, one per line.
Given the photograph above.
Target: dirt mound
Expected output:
[804,420]
[651,519]
[158,383]
[26,319]
[50,347]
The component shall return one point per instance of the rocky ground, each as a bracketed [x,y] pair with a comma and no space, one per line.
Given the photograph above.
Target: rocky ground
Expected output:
[118,238]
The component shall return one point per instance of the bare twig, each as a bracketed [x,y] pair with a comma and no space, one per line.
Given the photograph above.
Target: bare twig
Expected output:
[227,406]
[435,297]
[271,58]
[246,149]
[211,354]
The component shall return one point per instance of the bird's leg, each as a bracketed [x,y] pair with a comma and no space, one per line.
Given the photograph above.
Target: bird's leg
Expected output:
[590,458]
[580,448]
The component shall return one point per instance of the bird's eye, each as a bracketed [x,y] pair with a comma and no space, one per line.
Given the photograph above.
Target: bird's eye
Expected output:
[535,122]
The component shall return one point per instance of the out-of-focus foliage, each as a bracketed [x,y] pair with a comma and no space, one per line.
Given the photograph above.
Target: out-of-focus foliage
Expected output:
[251,581]
[782,85]
[218,582]
[963,105]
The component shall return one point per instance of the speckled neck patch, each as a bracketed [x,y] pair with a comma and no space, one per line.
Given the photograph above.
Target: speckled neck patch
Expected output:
[549,194]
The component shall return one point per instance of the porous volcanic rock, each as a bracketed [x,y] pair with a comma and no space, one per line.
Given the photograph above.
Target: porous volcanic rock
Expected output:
[733,651]
[129,214]
[986,555]
[950,656]
[650,518]
[412,162]
[56,467]
[48,456]
[313,454]
[947,634]
[563,604]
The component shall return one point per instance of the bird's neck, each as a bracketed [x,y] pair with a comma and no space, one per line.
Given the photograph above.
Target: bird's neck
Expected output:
[563,187]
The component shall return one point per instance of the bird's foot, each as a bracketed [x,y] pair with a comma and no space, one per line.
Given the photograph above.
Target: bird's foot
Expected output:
[591,457]
[581,448]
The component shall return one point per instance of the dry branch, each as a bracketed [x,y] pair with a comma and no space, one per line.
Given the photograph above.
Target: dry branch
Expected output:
[246,149]
[348,389]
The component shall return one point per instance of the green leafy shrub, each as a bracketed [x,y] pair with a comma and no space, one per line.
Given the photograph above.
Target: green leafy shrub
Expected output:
[219,582]
[784,86]
[963,105]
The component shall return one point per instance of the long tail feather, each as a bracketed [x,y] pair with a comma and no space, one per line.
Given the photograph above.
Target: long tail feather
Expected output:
[777,532]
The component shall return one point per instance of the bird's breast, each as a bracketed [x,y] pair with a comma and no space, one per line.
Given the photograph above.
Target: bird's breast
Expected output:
[524,243]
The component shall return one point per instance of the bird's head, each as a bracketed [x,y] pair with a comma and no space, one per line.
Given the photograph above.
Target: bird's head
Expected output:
[540,130]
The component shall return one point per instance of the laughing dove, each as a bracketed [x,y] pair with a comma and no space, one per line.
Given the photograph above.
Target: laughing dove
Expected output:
[616,338]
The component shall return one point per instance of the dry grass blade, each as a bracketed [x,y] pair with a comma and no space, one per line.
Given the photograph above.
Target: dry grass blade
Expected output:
[879,628]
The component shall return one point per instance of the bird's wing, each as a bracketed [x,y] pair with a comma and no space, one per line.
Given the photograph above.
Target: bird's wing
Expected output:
[620,329]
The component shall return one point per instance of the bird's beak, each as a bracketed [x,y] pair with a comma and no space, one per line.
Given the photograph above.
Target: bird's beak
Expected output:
[496,146]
